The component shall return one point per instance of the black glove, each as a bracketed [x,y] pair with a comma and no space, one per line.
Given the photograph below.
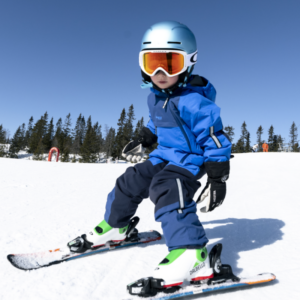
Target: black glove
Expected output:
[215,189]
[134,150]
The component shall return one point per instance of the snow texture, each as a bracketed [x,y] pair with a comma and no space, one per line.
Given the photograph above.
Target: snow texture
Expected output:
[45,205]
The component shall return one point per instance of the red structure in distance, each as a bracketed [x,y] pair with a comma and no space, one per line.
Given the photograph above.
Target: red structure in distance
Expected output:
[50,153]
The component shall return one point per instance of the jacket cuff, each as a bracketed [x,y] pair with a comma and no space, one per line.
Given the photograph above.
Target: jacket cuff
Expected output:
[217,171]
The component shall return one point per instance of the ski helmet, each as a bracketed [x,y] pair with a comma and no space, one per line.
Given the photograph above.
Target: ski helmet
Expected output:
[170,36]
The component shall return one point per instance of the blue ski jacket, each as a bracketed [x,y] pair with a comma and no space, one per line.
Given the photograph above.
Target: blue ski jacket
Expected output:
[188,126]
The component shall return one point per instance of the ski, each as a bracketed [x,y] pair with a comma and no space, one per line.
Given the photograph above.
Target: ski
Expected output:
[223,279]
[197,290]
[33,261]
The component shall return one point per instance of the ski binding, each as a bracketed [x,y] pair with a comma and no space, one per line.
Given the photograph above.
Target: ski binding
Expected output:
[223,279]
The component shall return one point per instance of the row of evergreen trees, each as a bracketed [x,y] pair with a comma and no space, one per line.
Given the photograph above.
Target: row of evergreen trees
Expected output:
[85,139]
[244,144]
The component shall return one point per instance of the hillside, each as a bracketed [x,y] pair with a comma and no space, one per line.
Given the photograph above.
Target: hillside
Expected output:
[44,205]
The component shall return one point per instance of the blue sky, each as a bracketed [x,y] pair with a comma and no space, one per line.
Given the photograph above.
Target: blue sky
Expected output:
[82,57]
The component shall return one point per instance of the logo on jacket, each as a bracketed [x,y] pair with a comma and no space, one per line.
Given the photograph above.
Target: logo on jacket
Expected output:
[158,117]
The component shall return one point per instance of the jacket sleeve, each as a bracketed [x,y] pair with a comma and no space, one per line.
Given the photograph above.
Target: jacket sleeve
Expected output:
[203,118]
[150,125]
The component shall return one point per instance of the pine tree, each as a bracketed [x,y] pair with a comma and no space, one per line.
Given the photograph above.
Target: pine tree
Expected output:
[48,138]
[275,143]
[23,134]
[259,133]
[83,128]
[88,148]
[78,134]
[229,130]
[39,151]
[138,128]
[271,138]
[128,128]
[240,146]
[44,124]
[67,125]
[28,132]
[2,135]
[99,139]
[58,139]
[110,141]
[248,143]
[2,141]
[67,139]
[38,132]
[16,144]
[294,137]
[244,131]
[120,138]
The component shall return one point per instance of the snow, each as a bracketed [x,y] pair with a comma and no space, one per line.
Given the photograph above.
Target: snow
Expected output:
[45,205]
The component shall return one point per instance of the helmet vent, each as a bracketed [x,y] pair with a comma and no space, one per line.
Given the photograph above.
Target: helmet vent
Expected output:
[147,43]
[174,43]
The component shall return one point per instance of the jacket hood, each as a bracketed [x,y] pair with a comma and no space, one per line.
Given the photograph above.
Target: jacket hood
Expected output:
[196,84]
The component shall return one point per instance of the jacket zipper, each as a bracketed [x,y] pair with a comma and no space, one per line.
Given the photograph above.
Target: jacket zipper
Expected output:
[165,103]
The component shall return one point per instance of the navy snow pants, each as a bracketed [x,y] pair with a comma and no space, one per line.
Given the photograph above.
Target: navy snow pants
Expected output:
[171,189]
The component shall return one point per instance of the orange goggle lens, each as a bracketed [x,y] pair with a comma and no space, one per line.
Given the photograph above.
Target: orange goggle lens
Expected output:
[172,63]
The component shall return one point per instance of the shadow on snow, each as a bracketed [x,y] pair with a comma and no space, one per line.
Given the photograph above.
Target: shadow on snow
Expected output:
[239,235]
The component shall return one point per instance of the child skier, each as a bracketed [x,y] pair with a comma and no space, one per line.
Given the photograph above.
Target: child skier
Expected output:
[186,124]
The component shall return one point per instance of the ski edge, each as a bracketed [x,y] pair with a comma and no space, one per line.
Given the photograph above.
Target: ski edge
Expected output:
[158,236]
[244,283]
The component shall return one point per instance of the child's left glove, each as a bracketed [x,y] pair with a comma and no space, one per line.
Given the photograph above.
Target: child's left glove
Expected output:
[215,189]
[134,150]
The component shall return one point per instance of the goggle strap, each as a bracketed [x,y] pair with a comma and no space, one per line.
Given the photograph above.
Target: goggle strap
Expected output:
[191,59]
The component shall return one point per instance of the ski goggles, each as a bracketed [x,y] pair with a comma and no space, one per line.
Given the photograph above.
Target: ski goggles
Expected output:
[171,62]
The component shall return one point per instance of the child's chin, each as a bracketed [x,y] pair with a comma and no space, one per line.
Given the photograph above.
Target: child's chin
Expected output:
[163,86]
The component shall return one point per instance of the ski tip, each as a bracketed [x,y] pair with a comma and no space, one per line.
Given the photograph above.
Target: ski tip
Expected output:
[271,275]
[11,259]
[265,277]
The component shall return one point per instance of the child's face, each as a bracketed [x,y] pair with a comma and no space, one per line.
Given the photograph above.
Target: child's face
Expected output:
[163,81]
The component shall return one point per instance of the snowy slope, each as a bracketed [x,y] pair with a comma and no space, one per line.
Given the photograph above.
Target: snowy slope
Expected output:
[44,205]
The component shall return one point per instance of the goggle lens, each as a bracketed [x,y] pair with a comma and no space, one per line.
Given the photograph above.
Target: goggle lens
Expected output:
[172,63]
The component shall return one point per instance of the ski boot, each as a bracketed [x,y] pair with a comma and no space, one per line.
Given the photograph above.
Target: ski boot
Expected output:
[102,234]
[184,264]
[179,265]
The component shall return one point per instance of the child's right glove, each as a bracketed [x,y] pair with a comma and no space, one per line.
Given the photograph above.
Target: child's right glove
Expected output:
[215,189]
[134,150]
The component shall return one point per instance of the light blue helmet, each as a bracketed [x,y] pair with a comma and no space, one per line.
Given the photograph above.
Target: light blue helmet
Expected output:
[174,36]
[169,35]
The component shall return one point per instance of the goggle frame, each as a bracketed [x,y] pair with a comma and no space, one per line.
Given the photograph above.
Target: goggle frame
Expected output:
[189,60]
